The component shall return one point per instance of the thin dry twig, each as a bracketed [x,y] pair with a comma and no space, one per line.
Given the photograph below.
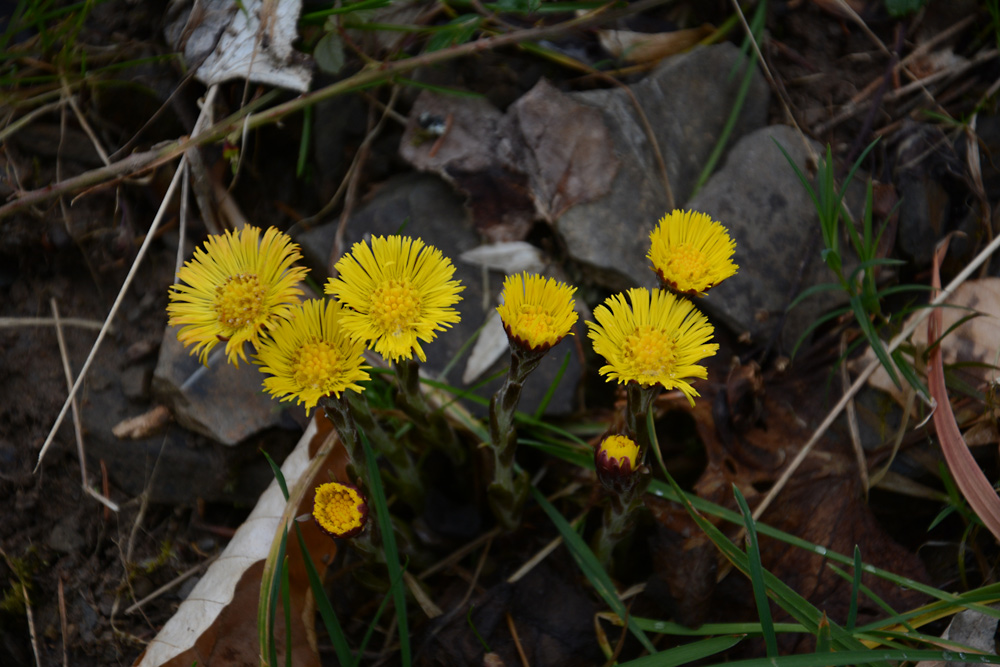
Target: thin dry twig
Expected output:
[517,640]
[247,120]
[542,554]
[852,420]
[63,625]
[158,218]
[867,372]
[77,425]
[79,322]
[71,99]
[173,583]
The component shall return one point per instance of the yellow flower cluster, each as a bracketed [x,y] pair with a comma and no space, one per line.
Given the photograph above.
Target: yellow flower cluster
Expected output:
[244,288]
[654,337]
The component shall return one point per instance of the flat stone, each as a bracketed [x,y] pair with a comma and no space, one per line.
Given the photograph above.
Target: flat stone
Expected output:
[434,212]
[135,382]
[223,402]
[65,537]
[687,101]
[769,214]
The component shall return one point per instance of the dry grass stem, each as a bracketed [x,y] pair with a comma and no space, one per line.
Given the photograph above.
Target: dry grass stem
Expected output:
[63,625]
[458,554]
[542,554]
[517,640]
[867,372]
[114,311]
[852,420]
[173,583]
[78,322]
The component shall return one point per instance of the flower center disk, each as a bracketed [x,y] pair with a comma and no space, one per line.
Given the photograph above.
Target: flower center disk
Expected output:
[535,323]
[687,261]
[316,365]
[395,306]
[240,301]
[650,352]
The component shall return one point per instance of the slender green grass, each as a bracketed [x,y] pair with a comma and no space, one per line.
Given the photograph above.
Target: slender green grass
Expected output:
[757,576]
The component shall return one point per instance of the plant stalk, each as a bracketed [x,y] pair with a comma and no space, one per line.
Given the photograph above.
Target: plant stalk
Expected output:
[429,421]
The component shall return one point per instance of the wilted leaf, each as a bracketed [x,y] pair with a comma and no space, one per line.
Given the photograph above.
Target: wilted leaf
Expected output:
[640,47]
[968,475]
[217,623]
[249,40]
[142,426]
[974,343]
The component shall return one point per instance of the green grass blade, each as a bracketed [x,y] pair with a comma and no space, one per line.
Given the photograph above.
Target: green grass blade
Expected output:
[852,612]
[757,576]
[286,603]
[397,589]
[307,121]
[710,629]
[872,336]
[859,657]
[326,612]
[798,172]
[809,291]
[591,568]
[550,392]
[688,653]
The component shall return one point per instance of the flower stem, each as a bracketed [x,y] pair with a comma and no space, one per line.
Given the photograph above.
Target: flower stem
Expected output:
[338,411]
[429,422]
[407,479]
[618,520]
[640,399]
[507,493]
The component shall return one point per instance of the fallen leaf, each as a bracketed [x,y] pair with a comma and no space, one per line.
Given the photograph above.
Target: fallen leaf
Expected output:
[973,344]
[217,623]
[510,257]
[640,47]
[490,346]
[142,426]
[968,475]
[252,40]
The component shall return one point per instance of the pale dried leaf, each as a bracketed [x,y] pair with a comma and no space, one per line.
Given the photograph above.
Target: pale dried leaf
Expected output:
[143,426]
[509,257]
[489,347]
[640,47]
[224,40]
[197,620]
[975,341]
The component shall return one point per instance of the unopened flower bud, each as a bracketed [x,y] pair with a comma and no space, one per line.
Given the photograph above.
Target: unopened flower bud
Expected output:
[616,462]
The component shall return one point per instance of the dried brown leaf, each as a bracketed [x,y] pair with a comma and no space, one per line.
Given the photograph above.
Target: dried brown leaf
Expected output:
[639,47]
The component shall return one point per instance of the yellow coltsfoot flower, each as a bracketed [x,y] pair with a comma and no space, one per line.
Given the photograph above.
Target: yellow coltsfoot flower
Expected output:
[537,312]
[398,292]
[652,338]
[339,509]
[310,356]
[691,252]
[237,288]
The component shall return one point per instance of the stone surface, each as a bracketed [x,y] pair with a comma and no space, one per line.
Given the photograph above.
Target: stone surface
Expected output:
[435,213]
[686,100]
[223,402]
[758,197]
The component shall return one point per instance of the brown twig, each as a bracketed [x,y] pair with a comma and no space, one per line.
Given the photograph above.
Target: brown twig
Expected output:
[517,640]
[363,79]
[63,625]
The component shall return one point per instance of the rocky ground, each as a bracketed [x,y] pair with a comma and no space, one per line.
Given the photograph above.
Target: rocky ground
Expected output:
[553,170]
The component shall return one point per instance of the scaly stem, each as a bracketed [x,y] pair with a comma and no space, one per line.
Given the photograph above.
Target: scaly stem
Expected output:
[618,520]
[338,411]
[407,480]
[507,493]
[429,422]
[640,399]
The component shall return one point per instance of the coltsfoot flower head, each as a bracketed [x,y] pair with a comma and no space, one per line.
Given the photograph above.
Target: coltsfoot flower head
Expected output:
[310,356]
[691,252]
[237,288]
[653,337]
[398,292]
[537,312]
[339,509]
[616,460]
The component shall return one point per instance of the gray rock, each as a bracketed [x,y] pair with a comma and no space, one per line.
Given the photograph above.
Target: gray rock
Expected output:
[135,382]
[758,197]
[435,213]
[687,101]
[223,402]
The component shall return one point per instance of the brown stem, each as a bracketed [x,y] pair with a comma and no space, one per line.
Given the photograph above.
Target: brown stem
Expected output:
[367,77]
